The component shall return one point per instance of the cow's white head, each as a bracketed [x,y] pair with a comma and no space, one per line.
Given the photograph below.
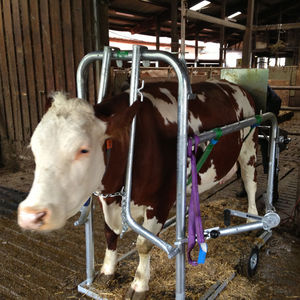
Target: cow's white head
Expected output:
[68,150]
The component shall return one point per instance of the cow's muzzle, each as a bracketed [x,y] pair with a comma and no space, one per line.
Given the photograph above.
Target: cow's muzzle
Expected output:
[32,219]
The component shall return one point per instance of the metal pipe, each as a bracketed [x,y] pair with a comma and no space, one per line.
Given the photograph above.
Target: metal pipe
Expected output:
[274,152]
[285,87]
[240,228]
[207,135]
[136,58]
[104,73]
[296,108]
[90,249]
[81,73]
[89,240]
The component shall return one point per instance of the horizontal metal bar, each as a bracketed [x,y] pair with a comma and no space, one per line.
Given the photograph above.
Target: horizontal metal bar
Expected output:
[207,135]
[240,228]
[89,291]
[292,108]
[241,214]
[285,87]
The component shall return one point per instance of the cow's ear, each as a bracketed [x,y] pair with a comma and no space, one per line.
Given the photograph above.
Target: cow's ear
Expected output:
[48,103]
[119,123]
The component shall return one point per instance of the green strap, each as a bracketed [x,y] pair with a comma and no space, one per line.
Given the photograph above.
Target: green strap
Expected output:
[207,151]
[258,121]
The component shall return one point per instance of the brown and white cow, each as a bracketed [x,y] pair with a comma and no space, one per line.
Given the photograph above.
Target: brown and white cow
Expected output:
[71,160]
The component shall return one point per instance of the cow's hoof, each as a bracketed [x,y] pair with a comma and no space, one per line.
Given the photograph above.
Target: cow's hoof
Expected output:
[104,279]
[133,295]
[241,194]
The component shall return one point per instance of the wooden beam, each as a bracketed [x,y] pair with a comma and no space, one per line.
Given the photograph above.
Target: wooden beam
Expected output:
[146,24]
[286,26]
[222,35]
[183,27]
[157,33]
[247,43]
[202,17]
[174,29]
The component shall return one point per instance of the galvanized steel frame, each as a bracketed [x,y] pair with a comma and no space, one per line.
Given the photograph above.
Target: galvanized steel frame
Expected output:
[137,55]
[184,92]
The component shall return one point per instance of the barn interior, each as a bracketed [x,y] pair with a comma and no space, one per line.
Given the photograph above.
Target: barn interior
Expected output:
[41,45]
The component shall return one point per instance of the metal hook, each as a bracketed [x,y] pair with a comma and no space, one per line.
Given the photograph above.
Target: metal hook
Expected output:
[139,91]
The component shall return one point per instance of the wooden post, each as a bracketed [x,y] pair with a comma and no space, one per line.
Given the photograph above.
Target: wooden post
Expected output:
[182,28]
[222,35]
[101,19]
[196,48]
[157,33]
[174,30]
[101,32]
[247,43]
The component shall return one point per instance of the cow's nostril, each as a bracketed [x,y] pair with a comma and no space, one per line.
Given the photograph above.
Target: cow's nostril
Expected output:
[29,218]
[40,217]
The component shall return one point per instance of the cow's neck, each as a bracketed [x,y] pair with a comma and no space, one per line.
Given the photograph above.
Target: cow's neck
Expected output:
[116,161]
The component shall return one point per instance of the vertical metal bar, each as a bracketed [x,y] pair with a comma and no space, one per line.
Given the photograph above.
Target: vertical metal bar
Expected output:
[181,184]
[90,249]
[273,141]
[89,238]
[184,93]
[104,73]
[136,55]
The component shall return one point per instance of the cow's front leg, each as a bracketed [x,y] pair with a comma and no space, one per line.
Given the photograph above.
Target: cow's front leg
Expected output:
[140,284]
[110,259]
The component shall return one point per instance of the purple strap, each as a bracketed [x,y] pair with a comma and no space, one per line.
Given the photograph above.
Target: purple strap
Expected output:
[195,230]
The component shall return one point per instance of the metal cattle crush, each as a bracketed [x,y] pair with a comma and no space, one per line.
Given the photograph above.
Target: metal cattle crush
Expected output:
[141,54]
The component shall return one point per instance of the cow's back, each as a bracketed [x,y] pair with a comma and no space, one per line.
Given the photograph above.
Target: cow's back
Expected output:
[217,103]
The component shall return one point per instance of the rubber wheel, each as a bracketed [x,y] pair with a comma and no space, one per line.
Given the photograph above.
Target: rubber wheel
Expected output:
[248,264]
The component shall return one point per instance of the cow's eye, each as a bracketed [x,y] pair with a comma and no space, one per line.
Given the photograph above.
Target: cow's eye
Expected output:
[83,151]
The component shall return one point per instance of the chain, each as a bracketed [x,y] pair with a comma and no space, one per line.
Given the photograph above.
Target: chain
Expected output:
[117,194]
[123,214]
[122,194]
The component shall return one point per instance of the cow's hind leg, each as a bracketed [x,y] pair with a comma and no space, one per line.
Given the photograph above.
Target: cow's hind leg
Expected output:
[247,160]
[140,284]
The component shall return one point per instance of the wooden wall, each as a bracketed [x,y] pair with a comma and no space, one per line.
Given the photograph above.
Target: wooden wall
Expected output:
[41,44]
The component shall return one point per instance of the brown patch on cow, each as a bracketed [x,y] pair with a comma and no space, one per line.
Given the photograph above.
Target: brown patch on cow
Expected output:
[255,176]
[111,238]
[252,161]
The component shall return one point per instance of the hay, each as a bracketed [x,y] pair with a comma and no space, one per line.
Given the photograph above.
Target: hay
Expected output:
[223,256]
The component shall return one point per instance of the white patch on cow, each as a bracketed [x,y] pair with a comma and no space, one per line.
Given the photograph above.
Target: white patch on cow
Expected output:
[110,262]
[194,123]
[112,214]
[229,174]
[142,275]
[141,281]
[64,177]
[248,171]
[201,97]
[208,179]
[167,110]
